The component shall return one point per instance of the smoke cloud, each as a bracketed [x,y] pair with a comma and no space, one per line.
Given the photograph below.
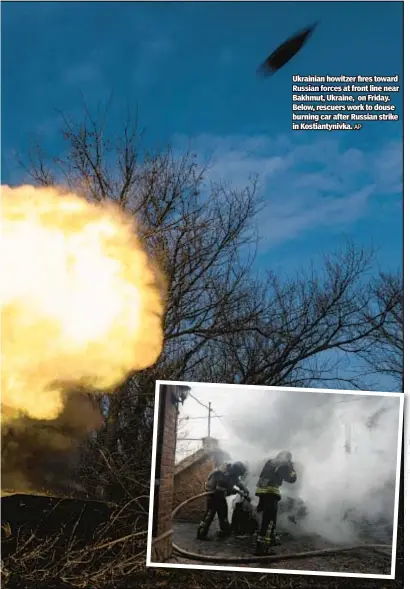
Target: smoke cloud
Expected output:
[345,451]
[81,307]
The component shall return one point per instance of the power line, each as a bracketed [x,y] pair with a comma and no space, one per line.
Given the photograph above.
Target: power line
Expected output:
[199,439]
[198,401]
[188,418]
[222,423]
[218,416]
[194,439]
[210,410]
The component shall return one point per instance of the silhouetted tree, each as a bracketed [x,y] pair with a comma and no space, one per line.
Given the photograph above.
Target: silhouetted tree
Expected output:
[223,322]
[384,352]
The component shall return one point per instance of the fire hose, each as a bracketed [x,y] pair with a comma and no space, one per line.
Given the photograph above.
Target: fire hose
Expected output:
[271,557]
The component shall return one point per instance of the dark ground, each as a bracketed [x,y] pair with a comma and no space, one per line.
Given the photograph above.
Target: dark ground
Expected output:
[45,516]
[362,561]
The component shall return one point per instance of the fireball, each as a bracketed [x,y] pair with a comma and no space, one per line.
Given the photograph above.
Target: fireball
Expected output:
[81,302]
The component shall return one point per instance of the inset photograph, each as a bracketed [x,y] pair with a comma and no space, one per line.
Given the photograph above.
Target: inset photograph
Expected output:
[275,479]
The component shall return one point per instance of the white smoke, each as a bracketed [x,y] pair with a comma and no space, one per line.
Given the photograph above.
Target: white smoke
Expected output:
[345,451]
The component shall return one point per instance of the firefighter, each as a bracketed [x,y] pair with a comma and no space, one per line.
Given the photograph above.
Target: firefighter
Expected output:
[274,472]
[221,482]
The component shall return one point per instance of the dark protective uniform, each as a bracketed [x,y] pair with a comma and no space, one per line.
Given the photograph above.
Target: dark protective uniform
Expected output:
[273,474]
[244,521]
[221,483]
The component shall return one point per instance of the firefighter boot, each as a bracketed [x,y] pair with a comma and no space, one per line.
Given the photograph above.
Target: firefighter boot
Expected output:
[225,530]
[202,532]
[261,548]
[203,528]
[275,539]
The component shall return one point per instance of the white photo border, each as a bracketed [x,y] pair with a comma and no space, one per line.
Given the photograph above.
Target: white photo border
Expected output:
[242,569]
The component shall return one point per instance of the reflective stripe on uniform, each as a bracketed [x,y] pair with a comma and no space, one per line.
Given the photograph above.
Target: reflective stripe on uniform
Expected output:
[272,490]
[263,540]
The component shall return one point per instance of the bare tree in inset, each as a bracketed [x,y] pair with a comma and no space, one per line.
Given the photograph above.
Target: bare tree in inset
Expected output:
[185,446]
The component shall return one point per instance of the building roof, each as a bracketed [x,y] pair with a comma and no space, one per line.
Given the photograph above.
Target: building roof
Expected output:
[191,460]
[210,449]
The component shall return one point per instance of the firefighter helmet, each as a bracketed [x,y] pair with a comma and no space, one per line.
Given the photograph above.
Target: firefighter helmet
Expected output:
[238,468]
[285,455]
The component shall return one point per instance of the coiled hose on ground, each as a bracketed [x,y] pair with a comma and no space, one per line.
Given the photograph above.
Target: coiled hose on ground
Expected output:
[271,557]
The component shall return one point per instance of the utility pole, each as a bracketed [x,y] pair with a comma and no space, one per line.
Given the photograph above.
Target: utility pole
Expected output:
[209,419]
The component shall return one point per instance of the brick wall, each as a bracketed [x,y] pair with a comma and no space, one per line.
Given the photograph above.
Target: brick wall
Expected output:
[190,477]
[189,482]
[167,423]
[174,485]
